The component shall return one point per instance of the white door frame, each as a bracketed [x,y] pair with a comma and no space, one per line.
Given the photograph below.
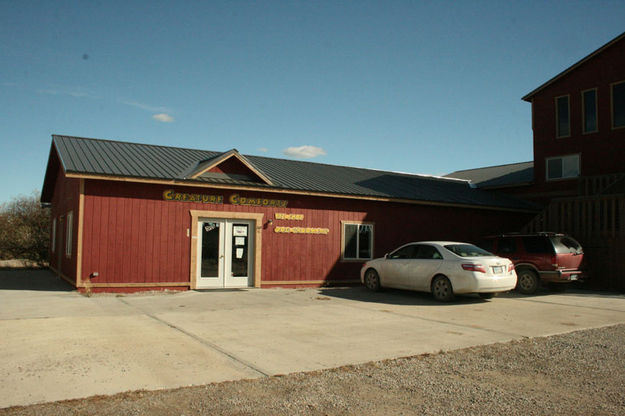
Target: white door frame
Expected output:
[235,240]
[255,230]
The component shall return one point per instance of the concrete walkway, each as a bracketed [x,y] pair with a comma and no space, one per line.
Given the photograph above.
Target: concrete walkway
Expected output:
[57,344]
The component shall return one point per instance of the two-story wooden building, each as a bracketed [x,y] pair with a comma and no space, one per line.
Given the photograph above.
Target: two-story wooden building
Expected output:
[578,124]
[578,120]
[578,171]
[130,216]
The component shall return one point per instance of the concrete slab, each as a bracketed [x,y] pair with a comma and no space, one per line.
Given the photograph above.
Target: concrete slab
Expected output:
[62,358]
[57,344]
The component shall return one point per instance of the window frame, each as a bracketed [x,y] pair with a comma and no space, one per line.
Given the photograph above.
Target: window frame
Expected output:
[579,167]
[596,129]
[372,242]
[411,246]
[69,218]
[53,236]
[612,85]
[568,109]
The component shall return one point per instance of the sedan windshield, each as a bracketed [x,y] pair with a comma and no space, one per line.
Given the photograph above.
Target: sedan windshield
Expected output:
[467,250]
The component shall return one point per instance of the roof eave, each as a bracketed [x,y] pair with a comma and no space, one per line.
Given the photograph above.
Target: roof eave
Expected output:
[267,188]
[528,97]
[49,179]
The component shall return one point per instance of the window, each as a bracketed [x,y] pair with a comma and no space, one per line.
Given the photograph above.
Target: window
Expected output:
[429,253]
[563,119]
[406,252]
[467,250]
[538,245]
[357,241]
[618,105]
[68,235]
[589,107]
[563,167]
[506,246]
[53,235]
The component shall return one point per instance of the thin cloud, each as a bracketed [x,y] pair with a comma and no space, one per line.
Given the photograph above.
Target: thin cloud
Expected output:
[146,107]
[304,152]
[70,91]
[263,149]
[163,118]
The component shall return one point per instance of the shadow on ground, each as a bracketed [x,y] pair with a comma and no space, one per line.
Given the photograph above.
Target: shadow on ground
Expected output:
[33,279]
[396,297]
[405,297]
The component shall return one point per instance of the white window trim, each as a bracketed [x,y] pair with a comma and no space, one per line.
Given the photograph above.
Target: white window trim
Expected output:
[68,234]
[343,224]
[579,169]
[584,111]
[53,236]
[568,102]
[612,85]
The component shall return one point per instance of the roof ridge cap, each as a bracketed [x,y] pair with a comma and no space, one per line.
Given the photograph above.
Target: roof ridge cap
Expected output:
[493,166]
[133,143]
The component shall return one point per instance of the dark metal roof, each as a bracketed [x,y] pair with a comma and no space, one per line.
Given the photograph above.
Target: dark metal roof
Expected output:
[134,160]
[529,96]
[514,174]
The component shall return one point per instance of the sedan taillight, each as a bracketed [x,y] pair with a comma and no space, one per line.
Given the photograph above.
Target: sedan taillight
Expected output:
[510,267]
[472,267]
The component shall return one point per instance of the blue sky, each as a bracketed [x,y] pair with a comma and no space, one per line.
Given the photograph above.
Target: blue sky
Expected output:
[413,86]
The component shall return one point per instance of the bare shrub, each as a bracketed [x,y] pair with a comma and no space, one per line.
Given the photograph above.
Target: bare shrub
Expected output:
[24,229]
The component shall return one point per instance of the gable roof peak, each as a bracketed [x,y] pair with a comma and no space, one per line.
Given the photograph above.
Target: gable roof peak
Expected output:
[529,96]
[203,166]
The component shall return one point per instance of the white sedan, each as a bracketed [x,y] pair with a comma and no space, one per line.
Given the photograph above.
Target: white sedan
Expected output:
[443,268]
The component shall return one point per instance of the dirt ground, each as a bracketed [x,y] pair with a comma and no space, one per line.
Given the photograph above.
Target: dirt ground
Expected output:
[579,373]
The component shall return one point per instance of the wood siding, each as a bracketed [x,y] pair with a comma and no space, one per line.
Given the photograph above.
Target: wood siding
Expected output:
[601,152]
[598,222]
[66,198]
[132,235]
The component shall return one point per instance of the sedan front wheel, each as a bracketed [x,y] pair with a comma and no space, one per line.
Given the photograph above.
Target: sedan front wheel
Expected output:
[372,280]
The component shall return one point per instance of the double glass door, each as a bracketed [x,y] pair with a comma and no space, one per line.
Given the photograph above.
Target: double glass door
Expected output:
[225,253]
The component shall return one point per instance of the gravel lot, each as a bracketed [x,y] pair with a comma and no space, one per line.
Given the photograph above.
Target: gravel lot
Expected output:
[579,373]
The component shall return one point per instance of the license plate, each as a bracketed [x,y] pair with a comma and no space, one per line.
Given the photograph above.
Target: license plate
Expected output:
[573,277]
[497,269]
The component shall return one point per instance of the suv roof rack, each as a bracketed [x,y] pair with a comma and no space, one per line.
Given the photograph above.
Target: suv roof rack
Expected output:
[537,233]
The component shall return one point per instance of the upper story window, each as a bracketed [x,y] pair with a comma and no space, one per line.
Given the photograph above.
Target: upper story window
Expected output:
[563,116]
[563,167]
[618,105]
[589,111]
[357,241]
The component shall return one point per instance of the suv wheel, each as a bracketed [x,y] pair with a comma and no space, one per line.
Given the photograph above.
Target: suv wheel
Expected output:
[527,281]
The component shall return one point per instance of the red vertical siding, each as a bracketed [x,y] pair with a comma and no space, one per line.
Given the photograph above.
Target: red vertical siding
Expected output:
[65,199]
[602,152]
[132,235]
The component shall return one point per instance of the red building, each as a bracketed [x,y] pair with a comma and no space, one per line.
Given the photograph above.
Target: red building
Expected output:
[578,171]
[128,216]
[578,121]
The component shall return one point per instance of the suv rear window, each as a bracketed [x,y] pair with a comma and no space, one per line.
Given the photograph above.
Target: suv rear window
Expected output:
[538,245]
[566,245]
